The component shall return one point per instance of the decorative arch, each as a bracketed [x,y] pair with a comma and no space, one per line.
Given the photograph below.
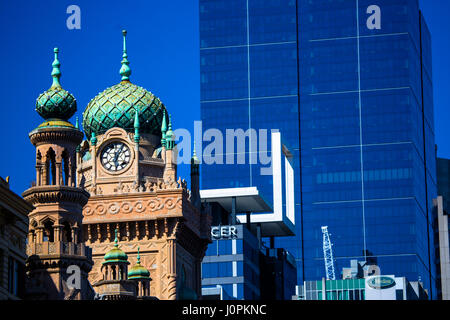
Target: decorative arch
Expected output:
[66,232]
[50,167]
[33,224]
[49,230]
[38,156]
[66,170]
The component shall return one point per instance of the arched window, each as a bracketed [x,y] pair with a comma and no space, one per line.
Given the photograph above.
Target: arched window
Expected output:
[50,166]
[65,168]
[48,231]
[113,272]
[67,232]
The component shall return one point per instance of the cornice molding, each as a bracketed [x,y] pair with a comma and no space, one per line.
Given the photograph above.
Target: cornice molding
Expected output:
[50,135]
[54,194]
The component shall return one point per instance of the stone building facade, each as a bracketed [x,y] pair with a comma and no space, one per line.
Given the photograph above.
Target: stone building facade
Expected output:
[13,233]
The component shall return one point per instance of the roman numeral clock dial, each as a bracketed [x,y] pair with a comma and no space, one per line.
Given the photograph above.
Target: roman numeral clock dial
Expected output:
[115,156]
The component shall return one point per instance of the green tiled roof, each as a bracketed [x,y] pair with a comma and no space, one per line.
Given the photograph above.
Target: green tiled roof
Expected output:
[116,106]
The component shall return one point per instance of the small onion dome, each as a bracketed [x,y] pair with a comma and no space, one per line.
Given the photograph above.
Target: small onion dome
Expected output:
[115,255]
[116,106]
[138,272]
[56,102]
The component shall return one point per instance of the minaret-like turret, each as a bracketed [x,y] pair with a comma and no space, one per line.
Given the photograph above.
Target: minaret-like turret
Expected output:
[141,276]
[115,284]
[55,249]
[169,150]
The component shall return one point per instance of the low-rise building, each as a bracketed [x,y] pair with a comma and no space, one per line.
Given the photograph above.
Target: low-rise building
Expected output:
[237,265]
[362,282]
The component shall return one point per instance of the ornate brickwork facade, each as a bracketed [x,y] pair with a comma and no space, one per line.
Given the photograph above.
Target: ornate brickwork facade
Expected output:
[154,214]
[119,185]
[128,165]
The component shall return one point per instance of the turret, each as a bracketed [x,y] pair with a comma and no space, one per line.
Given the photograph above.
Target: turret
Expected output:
[54,238]
[170,169]
[141,276]
[115,284]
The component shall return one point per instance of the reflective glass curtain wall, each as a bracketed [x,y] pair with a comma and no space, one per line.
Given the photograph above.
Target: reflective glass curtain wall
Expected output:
[355,104]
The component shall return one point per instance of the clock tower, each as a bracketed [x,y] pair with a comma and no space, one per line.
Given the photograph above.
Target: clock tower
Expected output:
[128,166]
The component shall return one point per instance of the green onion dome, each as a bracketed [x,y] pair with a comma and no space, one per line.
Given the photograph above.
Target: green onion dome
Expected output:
[116,106]
[138,272]
[115,255]
[56,103]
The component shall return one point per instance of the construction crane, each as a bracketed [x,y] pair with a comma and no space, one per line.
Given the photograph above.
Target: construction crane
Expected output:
[328,254]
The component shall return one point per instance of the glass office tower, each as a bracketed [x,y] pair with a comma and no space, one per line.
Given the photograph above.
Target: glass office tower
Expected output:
[443,180]
[353,99]
[234,265]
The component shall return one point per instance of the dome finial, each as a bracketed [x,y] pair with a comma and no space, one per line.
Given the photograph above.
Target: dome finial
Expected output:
[116,241]
[170,138]
[138,257]
[194,159]
[163,130]
[125,70]
[56,72]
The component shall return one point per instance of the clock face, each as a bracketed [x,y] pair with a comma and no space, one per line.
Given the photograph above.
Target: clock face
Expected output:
[115,156]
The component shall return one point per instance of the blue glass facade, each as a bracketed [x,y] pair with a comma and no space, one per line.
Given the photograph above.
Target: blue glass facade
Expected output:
[443,181]
[234,265]
[355,105]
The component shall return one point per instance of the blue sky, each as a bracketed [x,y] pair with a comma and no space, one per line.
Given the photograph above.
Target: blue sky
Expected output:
[162,45]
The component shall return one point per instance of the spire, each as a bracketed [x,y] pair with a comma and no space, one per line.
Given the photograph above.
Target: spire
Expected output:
[77,125]
[164,124]
[170,123]
[194,159]
[170,139]
[163,129]
[125,70]
[136,119]
[136,126]
[56,72]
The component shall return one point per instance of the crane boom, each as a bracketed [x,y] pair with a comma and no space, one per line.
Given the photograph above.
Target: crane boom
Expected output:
[328,254]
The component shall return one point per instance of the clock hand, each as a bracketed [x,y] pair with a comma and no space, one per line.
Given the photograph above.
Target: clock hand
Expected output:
[117,153]
[116,156]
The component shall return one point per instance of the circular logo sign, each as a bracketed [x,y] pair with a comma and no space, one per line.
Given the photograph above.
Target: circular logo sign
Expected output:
[381,282]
